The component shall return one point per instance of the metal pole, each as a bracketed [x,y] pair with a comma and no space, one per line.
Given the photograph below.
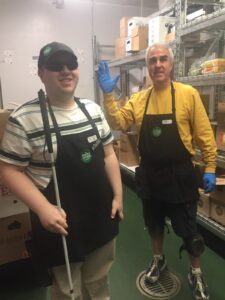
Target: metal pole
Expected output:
[44,113]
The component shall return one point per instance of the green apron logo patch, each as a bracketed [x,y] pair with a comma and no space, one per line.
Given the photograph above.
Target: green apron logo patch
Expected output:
[156,131]
[86,156]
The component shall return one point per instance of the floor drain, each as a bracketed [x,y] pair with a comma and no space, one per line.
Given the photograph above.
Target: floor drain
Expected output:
[166,287]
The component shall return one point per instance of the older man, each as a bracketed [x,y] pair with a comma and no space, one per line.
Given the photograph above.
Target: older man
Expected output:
[168,116]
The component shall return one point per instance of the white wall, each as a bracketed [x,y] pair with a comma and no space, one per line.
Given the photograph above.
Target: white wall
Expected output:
[165,3]
[27,25]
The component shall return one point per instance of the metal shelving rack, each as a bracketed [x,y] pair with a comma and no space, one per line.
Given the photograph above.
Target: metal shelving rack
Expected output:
[212,226]
[210,22]
[204,80]
[129,61]
[213,21]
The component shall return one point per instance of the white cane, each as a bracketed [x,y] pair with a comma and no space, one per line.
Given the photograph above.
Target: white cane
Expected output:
[44,113]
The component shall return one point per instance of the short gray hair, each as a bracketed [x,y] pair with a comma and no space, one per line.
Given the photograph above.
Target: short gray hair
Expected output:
[163,45]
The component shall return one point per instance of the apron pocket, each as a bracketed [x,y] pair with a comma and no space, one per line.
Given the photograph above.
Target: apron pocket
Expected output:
[186,182]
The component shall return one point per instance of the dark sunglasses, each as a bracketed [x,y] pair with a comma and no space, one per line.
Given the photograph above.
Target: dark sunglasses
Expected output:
[57,66]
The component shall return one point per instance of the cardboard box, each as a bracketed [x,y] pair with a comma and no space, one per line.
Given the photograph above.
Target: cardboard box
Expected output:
[170,37]
[218,212]
[220,179]
[221,114]
[124,27]
[4,114]
[204,205]
[134,22]
[138,39]
[10,205]
[218,194]
[128,153]
[120,47]
[220,138]
[217,197]
[158,29]
[14,231]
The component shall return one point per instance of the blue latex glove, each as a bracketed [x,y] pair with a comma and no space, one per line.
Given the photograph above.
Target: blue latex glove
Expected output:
[106,83]
[209,182]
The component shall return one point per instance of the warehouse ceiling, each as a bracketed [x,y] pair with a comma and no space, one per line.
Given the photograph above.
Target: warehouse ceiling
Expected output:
[143,3]
[137,3]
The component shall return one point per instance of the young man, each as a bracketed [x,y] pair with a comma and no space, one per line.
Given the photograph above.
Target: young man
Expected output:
[168,116]
[87,172]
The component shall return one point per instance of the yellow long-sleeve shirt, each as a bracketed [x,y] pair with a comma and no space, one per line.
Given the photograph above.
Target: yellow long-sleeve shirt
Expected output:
[191,117]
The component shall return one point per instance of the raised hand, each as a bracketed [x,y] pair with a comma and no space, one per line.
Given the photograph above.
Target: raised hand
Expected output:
[106,83]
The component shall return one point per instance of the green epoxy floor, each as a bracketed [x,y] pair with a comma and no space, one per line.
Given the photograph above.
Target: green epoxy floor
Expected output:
[133,255]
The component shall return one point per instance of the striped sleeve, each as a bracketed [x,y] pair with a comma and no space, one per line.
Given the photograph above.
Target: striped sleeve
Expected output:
[15,146]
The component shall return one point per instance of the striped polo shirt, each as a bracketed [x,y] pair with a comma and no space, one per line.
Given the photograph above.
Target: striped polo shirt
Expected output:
[24,142]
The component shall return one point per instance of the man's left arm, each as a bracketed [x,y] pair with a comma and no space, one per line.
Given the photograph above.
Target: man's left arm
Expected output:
[205,139]
[113,173]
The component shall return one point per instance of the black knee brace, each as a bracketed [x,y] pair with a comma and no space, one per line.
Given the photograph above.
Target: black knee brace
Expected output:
[194,245]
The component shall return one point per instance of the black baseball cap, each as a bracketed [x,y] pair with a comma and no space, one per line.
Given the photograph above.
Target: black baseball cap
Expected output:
[50,49]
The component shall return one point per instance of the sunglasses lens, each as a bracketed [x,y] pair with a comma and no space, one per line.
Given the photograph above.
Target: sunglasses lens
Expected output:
[57,66]
[72,65]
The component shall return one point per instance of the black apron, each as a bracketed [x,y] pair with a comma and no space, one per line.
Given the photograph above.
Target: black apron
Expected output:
[86,196]
[166,172]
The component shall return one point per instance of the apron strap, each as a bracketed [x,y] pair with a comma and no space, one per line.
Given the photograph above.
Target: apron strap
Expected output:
[173,98]
[86,113]
[55,124]
[83,109]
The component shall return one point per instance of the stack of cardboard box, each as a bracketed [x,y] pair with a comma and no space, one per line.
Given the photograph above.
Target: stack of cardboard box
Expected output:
[137,38]
[217,198]
[204,206]
[14,217]
[120,47]
[133,35]
[14,231]
[213,205]
[128,153]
